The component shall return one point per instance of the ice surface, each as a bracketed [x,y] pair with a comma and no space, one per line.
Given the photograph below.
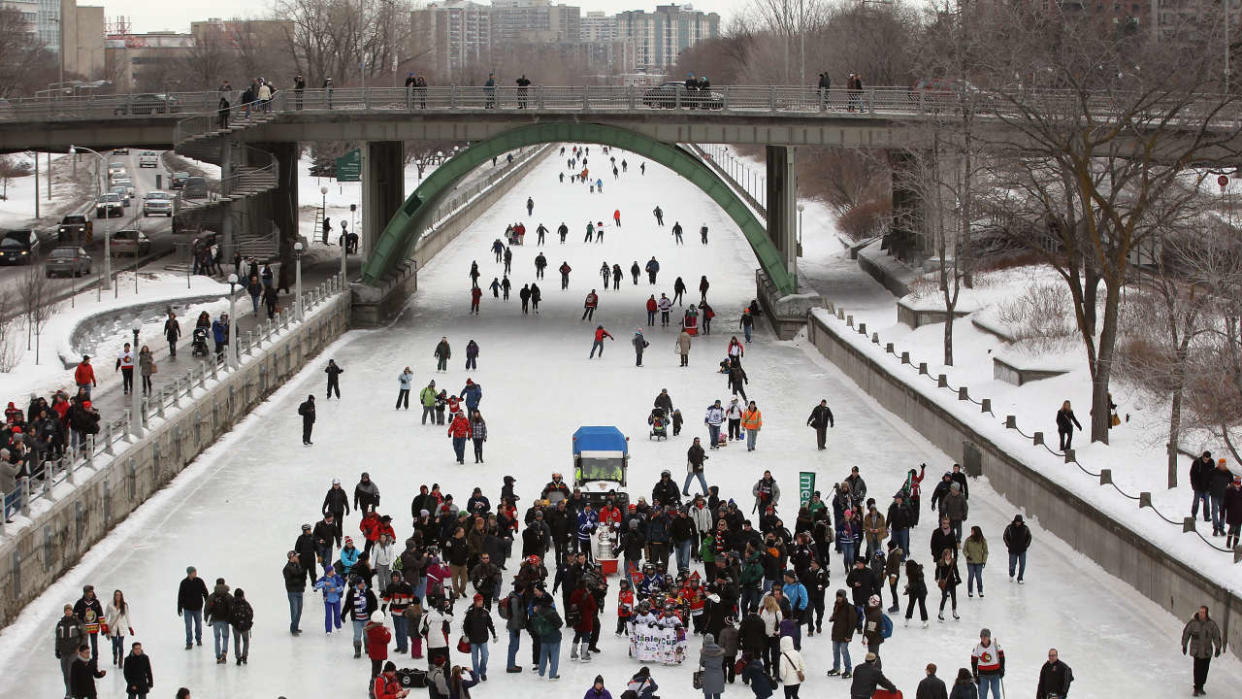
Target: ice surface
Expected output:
[237,510]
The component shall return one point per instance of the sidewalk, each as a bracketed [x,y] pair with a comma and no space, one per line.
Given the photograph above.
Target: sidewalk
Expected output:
[108,397]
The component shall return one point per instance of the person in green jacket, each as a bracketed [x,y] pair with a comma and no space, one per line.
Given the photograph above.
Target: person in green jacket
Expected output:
[751,579]
[546,625]
[975,549]
[428,398]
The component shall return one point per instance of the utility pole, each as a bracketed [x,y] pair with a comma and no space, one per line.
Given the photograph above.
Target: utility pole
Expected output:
[36,181]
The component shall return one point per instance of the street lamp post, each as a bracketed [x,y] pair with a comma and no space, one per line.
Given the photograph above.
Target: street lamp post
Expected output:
[323,212]
[297,276]
[801,208]
[106,282]
[135,419]
[232,338]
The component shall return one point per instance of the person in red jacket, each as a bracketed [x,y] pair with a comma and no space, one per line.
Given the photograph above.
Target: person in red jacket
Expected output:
[588,306]
[616,216]
[609,516]
[652,306]
[84,376]
[583,601]
[600,334]
[460,431]
[565,269]
[387,686]
[370,527]
[475,294]
[377,644]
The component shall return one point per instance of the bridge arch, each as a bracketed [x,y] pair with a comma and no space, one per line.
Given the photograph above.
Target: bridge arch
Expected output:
[397,240]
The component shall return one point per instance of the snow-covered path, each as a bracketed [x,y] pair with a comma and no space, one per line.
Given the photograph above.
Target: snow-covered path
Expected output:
[235,512]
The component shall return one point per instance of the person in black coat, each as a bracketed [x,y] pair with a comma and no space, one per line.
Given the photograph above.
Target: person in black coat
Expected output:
[82,674]
[933,687]
[1066,422]
[191,596]
[306,551]
[334,378]
[867,677]
[1200,472]
[307,411]
[821,420]
[1054,678]
[137,672]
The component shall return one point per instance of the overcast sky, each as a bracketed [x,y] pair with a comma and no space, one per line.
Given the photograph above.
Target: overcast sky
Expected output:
[158,15]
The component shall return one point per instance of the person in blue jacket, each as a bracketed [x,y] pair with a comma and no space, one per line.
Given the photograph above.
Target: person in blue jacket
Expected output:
[797,595]
[331,585]
[588,520]
[220,333]
[472,394]
[472,347]
[349,555]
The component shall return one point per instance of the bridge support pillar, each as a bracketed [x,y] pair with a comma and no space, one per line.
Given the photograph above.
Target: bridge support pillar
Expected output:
[285,196]
[383,188]
[783,204]
[226,209]
[904,237]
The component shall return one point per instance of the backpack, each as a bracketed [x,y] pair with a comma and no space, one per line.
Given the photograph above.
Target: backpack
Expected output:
[886,626]
[505,610]
[573,615]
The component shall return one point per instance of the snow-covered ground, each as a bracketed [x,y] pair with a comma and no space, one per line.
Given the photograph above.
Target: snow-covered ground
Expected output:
[48,374]
[17,208]
[237,510]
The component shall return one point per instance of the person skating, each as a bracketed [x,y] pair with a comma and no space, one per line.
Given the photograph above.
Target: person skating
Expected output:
[713,418]
[679,291]
[331,585]
[541,263]
[89,610]
[590,304]
[932,687]
[116,621]
[216,613]
[703,233]
[867,678]
[535,296]
[546,625]
[617,275]
[307,410]
[947,579]
[241,618]
[733,417]
[653,269]
[360,603]
[682,347]
[752,421]
[987,664]
[964,687]
[975,549]
[295,575]
[460,430]
[83,673]
[564,269]
[404,379]
[640,343]
[1201,640]
[754,675]
[442,354]
[524,297]
[136,670]
[652,306]
[334,378]
[1054,678]
[387,686]
[476,294]
[695,461]
[474,274]
[737,379]
[542,232]
[790,667]
[597,690]
[635,270]
[659,216]
[562,231]
[916,590]
[70,635]
[191,596]
[590,231]
[1017,539]
[665,304]
[530,202]
[478,434]
[598,344]
[642,685]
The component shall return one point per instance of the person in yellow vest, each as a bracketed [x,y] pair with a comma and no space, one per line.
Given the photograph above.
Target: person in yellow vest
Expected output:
[752,420]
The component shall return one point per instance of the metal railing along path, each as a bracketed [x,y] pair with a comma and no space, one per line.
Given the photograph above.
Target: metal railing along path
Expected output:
[891,102]
[96,452]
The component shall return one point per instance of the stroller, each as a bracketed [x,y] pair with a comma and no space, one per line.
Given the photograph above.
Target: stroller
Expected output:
[659,424]
[199,343]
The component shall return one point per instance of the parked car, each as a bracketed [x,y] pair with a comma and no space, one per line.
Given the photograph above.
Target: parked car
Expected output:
[148,158]
[69,261]
[148,103]
[178,180]
[19,247]
[668,95]
[130,242]
[194,188]
[109,206]
[75,228]
[157,203]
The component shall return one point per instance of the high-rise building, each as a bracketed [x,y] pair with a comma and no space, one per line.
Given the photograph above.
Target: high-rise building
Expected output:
[660,36]
[598,27]
[451,37]
[534,21]
[82,40]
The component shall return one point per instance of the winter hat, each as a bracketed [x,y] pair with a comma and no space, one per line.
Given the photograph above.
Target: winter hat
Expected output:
[190,569]
[239,593]
[1017,519]
[599,679]
[874,601]
[423,513]
[478,597]
[1219,461]
[871,657]
[1207,454]
[985,633]
[336,481]
[349,541]
[510,479]
[955,487]
[305,527]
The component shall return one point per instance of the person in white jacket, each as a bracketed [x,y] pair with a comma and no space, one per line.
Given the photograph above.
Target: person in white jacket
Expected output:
[116,617]
[384,553]
[438,628]
[792,669]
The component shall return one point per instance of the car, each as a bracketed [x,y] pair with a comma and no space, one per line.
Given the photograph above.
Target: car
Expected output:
[115,170]
[123,150]
[75,228]
[19,247]
[157,203]
[123,191]
[148,103]
[671,94]
[148,158]
[126,182]
[178,180]
[68,260]
[130,242]
[109,205]
[194,188]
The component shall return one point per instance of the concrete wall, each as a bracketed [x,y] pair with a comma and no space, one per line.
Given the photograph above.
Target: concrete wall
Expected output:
[37,555]
[1150,570]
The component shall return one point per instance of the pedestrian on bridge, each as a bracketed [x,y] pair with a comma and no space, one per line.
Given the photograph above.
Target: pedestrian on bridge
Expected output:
[125,364]
[223,112]
[172,333]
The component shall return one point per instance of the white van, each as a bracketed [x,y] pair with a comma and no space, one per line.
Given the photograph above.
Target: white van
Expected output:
[148,159]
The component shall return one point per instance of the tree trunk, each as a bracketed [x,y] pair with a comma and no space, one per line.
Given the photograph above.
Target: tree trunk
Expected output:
[1090,286]
[1100,411]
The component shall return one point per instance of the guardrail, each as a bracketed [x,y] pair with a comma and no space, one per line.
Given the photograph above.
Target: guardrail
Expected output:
[804,101]
[114,435]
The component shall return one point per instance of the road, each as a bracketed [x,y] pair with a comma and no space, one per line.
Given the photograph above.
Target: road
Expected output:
[159,229]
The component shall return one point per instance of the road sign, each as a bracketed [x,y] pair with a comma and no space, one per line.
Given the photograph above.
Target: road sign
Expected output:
[349,167]
[1223,181]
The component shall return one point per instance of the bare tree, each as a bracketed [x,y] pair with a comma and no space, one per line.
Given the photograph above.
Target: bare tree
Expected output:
[11,167]
[25,64]
[346,40]
[37,307]
[1096,166]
